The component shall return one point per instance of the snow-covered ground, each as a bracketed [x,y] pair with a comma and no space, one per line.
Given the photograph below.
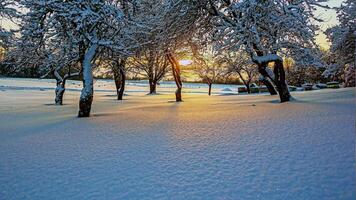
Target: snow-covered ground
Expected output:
[108,86]
[150,147]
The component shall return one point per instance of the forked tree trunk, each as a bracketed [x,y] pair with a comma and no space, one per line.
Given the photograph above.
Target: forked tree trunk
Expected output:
[61,83]
[210,84]
[265,77]
[246,83]
[176,75]
[280,81]
[86,97]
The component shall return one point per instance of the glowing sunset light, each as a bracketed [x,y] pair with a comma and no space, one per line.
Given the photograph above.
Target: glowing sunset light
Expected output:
[185,62]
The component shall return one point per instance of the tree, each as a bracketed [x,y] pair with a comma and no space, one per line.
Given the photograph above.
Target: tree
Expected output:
[343,43]
[267,31]
[174,24]
[119,72]
[7,11]
[153,64]
[208,69]
[239,63]
[85,28]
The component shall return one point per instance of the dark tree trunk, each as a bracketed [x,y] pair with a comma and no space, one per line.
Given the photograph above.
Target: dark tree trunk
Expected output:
[266,79]
[119,78]
[60,89]
[280,81]
[210,84]
[86,97]
[118,83]
[245,82]
[176,75]
[120,93]
[269,86]
[153,85]
[179,95]
[248,88]
[85,105]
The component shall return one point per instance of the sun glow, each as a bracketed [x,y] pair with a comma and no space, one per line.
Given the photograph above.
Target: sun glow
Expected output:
[185,62]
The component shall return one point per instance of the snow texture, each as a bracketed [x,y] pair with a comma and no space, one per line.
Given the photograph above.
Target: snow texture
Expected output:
[149,147]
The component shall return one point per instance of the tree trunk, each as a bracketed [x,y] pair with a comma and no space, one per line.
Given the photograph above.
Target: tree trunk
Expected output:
[176,75]
[248,88]
[210,84]
[119,78]
[86,97]
[265,79]
[153,85]
[179,94]
[60,89]
[120,93]
[118,83]
[280,81]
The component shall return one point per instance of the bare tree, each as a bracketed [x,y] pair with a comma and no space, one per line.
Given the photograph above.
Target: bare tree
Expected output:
[239,64]
[151,63]
[209,69]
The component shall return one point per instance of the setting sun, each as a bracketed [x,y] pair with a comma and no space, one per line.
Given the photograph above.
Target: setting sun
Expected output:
[185,62]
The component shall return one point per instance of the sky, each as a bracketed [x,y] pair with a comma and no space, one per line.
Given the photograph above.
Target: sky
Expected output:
[328,15]
[330,19]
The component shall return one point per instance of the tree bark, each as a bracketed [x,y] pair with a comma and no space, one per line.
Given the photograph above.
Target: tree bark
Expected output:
[248,88]
[153,85]
[280,81]
[176,75]
[120,93]
[266,79]
[86,97]
[119,78]
[210,84]
[60,89]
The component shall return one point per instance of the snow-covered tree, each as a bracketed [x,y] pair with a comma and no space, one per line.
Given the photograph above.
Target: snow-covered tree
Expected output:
[7,12]
[267,31]
[343,43]
[81,29]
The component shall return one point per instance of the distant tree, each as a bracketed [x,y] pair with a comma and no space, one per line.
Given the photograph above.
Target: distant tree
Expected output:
[151,63]
[182,20]
[343,44]
[239,64]
[8,12]
[209,69]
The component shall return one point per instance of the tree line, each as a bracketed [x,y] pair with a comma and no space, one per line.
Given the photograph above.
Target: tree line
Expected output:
[250,39]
